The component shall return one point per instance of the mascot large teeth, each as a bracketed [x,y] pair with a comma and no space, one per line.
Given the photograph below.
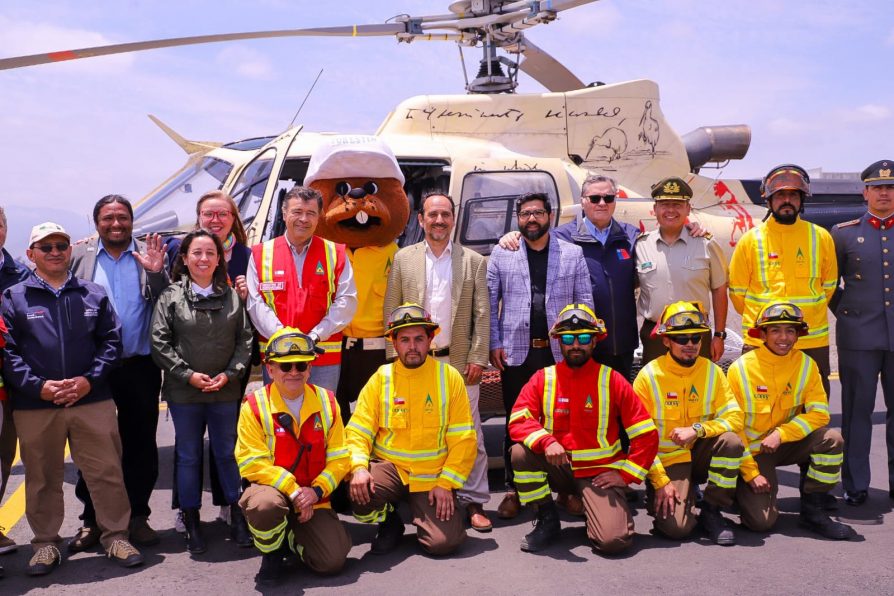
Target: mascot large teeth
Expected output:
[366,209]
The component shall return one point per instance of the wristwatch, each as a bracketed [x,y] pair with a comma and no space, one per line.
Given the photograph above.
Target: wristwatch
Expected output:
[319,492]
[699,430]
[720,334]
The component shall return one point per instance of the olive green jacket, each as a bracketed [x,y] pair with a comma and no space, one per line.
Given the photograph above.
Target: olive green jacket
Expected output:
[192,333]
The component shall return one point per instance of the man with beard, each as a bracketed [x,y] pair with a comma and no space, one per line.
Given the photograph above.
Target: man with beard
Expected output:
[567,422]
[697,418]
[450,282]
[133,274]
[786,258]
[411,439]
[786,422]
[674,265]
[527,288]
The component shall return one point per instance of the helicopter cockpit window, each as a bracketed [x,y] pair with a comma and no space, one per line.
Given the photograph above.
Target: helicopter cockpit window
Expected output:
[489,204]
[174,204]
[248,191]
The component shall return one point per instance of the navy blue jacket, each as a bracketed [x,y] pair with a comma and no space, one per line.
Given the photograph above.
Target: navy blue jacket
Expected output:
[50,338]
[613,277]
[12,272]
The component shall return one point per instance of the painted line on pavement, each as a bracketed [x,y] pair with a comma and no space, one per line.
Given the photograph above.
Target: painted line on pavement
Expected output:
[12,511]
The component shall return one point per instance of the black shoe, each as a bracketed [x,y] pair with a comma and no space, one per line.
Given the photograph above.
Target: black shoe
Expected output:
[390,532]
[239,528]
[271,568]
[814,518]
[86,538]
[716,526]
[855,498]
[891,493]
[546,529]
[195,544]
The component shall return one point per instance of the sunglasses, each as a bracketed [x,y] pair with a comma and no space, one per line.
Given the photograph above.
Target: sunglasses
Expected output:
[286,367]
[609,199]
[682,340]
[583,339]
[49,246]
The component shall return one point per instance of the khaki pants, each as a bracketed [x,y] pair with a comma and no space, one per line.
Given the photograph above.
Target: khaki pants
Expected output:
[92,434]
[609,521]
[821,449]
[322,541]
[435,536]
[716,460]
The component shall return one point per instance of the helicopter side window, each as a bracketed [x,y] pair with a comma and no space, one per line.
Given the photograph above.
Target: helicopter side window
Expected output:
[248,191]
[488,204]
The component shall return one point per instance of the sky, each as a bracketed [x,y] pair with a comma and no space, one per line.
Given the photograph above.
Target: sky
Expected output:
[812,78]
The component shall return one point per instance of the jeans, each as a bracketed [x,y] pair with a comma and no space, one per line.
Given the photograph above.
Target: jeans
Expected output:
[189,424]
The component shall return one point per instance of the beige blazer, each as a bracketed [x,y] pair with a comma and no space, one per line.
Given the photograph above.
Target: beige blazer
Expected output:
[470,305]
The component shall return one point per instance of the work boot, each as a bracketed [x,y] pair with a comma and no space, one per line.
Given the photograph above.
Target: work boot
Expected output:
[141,532]
[478,518]
[572,504]
[86,538]
[44,560]
[271,568]
[716,526]
[546,528]
[390,532]
[814,518]
[195,544]
[239,528]
[509,506]
[7,544]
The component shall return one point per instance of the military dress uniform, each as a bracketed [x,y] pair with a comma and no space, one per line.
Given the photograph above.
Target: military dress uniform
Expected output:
[864,327]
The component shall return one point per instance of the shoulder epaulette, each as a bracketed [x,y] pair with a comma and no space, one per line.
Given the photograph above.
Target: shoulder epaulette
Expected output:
[845,224]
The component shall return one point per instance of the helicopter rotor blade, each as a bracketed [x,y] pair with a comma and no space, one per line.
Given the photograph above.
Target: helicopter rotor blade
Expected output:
[385,30]
[546,70]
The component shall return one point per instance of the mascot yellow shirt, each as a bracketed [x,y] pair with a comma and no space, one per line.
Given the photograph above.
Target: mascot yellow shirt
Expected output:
[371,265]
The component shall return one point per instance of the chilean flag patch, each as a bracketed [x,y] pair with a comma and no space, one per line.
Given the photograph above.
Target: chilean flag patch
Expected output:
[762,389]
[773,255]
[623,255]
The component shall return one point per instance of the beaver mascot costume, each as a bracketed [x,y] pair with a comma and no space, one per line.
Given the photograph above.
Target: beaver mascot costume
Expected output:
[366,209]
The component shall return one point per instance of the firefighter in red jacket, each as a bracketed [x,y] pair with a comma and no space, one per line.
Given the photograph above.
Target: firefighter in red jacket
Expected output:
[291,449]
[566,423]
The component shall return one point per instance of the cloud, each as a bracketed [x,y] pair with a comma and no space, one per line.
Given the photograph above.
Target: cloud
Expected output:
[22,37]
[246,62]
[866,113]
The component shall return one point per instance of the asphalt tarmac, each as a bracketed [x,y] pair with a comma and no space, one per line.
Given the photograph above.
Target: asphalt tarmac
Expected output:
[788,561]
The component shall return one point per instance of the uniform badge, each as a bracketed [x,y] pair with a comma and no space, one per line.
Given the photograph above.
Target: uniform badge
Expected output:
[270,286]
[429,406]
[773,256]
[589,403]
[623,255]
[318,425]
[671,399]
[693,394]
[645,265]
[861,239]
[399,401]
[319,269]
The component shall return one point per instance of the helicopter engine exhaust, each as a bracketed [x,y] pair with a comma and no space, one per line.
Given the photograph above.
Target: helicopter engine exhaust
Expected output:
[716,144]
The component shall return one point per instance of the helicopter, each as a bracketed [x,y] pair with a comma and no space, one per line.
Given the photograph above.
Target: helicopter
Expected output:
[484,147]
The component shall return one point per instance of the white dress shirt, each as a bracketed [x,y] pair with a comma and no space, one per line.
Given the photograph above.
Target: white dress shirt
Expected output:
[438,290]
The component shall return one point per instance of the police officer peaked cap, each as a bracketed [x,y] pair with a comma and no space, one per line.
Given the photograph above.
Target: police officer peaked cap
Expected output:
[671,189]
[881,172]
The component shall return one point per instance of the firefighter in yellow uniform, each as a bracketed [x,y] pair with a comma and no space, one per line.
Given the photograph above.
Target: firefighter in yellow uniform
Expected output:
[698,419]
[786,417]
[787,259]
[291,449]
[412,439]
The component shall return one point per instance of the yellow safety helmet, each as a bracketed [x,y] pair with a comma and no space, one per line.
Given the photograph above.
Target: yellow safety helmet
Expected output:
[779,313]
[680,318]
[290,345]
[578,319]
[409,315]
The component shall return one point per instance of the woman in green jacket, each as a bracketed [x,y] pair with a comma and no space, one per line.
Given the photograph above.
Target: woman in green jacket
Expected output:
[201,338]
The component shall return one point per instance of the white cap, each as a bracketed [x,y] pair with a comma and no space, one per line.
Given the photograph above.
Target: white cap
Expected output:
[352,156]
[47,228]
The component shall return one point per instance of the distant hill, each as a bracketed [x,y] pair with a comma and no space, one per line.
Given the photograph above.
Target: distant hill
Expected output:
[22,218]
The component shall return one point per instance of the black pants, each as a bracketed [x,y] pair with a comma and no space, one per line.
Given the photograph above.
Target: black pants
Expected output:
[358,365]
[513,378]
[135,386]
[623,363]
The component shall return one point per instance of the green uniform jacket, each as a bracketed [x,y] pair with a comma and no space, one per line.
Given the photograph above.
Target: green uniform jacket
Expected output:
[192,333]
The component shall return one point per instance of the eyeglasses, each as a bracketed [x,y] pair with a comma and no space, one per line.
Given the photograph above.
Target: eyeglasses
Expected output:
[609,199]
[287,367]
[221,215]
[782,312]
[49,246]
[682,340]
[290,344]
[529,213]
[583,339]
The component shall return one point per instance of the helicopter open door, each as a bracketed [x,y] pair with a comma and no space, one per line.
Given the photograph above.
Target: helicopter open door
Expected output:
[486,190]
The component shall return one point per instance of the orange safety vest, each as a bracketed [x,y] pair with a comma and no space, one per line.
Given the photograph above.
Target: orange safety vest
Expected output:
[311,442]
[303,305]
